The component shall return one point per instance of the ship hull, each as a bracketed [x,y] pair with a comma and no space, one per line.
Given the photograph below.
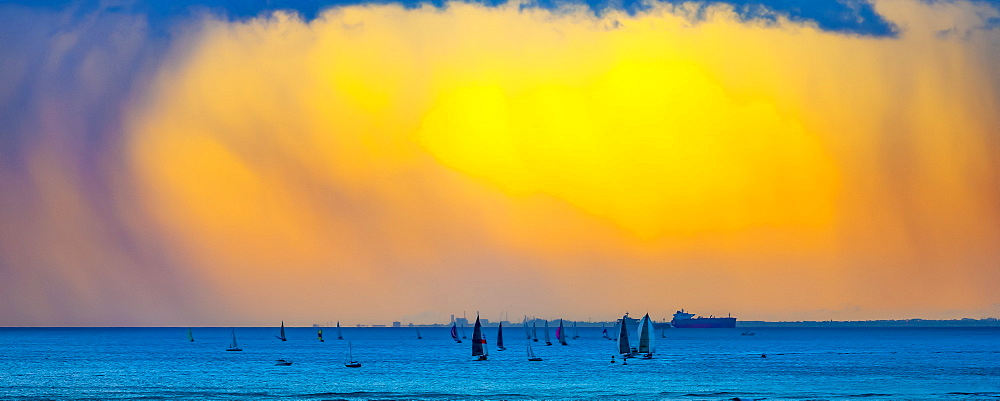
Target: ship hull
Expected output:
[706,323]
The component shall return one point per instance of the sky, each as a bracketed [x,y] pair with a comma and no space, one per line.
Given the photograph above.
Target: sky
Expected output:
[230,163]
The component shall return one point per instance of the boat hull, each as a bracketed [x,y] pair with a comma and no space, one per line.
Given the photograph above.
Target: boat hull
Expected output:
[706,323]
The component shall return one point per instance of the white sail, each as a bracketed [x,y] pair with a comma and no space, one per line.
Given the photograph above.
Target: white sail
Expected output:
[645,335]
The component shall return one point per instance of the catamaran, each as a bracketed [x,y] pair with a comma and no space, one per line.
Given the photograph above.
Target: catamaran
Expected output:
[479,342]
[233,346]
[500,346]
[531,354]
[561,333]
[282,335]
[351,363]
[646,337]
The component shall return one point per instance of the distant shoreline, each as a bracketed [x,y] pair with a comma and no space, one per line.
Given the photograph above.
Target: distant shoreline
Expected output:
[966,322]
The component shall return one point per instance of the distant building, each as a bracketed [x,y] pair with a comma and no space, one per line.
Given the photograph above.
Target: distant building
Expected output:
[461,321]
[396,324]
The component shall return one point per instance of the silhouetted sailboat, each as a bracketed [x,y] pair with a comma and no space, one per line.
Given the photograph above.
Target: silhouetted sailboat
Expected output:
[547,340]
[281,336]
[646,337]
[576,331]
[190,336]
[233,346]
[561,333]
[454,332]
[351,363]
[340,336]
[478,342]
[418,334]
[319,334]
[531,354]
[534,330]
[623,346]
[500,346]
[527,331]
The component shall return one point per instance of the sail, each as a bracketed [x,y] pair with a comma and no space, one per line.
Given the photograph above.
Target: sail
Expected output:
[454,332]
[547,340]
[233,344]
[531,354]
[418,333]
[190,336]
[281,336]
[604,333]
[339,335]
[646,336]
[527,332]
[319,334]
[477,339]
[561,333]
[623,346]
[576,331]
[500,336]
[534,330]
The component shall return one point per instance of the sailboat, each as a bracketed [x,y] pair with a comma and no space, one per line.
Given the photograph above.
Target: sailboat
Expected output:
[500,346]
[478,341]
[190,336]
[576,331]
[623,346]
[282,335]
[526,331]
[561,333]
[233,346]
[454,333]
[418,334]
[646,337]
[531,354]
[534,330]
[320,335]
[547,340]
[340,336]
[351,363]
[663,332]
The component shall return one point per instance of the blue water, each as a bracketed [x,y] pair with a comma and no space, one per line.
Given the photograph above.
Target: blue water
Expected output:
[691,364]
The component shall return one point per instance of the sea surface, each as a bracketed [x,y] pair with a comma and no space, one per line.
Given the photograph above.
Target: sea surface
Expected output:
[690,364]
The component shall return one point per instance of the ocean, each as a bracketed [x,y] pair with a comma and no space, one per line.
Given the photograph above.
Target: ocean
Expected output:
[690,364]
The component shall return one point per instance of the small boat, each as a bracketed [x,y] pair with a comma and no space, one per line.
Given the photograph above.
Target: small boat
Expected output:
[604,333]
[282,362]
[561,333]
[233,346]
[745,333]
[418,334]
[531,354]
[534,330]
[527,331]
[351,363]
[454,333]
[319,334]
[281,335]
[500,346]
[479,342]
[340,336]
[547,340]
[576,331]
[190,336]
[646,337]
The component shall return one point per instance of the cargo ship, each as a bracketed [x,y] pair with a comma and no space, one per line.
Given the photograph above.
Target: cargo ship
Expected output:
[684,320]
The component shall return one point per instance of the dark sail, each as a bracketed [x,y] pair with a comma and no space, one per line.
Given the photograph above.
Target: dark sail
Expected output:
[477,339]
[623,347]
[500,336]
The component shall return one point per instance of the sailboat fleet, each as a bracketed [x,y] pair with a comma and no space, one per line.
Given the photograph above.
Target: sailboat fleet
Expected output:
[642,345]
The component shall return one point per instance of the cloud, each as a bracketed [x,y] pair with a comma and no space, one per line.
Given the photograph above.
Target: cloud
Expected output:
[381,161]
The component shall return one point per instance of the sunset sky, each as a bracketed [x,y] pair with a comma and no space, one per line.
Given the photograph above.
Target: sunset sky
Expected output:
[216,163]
